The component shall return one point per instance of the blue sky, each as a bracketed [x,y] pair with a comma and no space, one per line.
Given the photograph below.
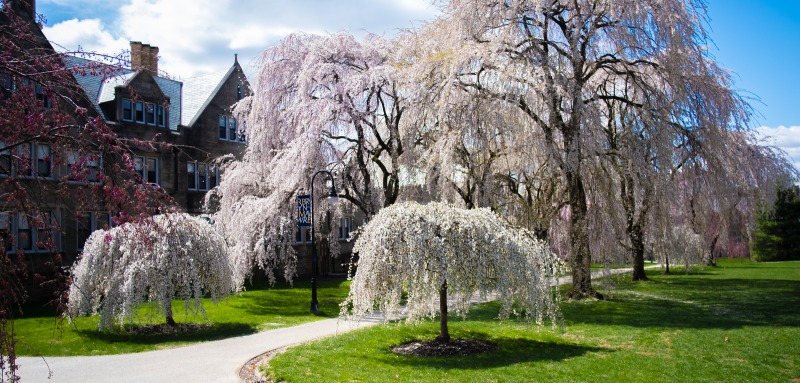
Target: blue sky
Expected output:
[758,40]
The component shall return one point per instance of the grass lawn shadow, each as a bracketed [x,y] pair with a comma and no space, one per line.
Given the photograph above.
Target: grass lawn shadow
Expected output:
[693,301]
[215,332]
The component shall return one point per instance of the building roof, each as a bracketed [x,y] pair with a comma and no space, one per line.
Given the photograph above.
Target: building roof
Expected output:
[198,93]
[99,87]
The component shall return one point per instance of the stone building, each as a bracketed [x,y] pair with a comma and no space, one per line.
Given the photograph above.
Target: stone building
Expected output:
[192,119]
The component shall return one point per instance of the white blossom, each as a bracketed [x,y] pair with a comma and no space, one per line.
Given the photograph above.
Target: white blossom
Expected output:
[171,256]
[415,249]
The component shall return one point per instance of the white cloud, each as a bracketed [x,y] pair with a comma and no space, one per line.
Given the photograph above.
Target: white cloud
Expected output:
[201,36]
[88,35]
[787,138]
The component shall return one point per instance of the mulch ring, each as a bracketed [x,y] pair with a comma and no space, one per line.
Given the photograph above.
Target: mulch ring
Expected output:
[439,348]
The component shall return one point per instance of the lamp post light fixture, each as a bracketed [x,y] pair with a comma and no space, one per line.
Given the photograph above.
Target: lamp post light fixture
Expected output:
[333,199]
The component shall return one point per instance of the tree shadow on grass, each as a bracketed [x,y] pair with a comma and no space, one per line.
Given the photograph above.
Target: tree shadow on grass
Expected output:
[292,300]
[695,302]
[510,351]
[216,331]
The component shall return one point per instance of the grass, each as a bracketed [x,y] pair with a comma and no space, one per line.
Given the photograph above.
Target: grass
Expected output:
[257,309]
[739,322]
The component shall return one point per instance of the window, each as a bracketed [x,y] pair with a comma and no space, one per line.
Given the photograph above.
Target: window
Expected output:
[202,176]
[87,223]
[160,117]
[45,226]
[241,133]
[202,179]
[228,129]
[44,162]
[7,82]
[24,234]
[302,235]
[83,224]
[32,233]
[149,114]
[231,129]
[24,160]
[6,230]
[32,159]
[42,96]
[147,168]
[5,160]
[140,111]
[213,177]
[127,110]
[345,226]
[223,128]
[238,91]
[76,163]
[191,171]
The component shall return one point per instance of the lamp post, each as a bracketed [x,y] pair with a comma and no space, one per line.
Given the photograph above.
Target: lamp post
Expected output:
[333,198]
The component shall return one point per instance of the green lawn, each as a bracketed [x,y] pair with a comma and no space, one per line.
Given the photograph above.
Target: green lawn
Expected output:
[739,322]
[257,309]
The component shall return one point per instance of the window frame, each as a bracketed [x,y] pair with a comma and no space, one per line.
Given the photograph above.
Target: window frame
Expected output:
[161,116]
[141,166]
[127,105]
[97,220]
[139,112]
[7,159]
[93,161]
[204,174]
[345,228]
[149,113]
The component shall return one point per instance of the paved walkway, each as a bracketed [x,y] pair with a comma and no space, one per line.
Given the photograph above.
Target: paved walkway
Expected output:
[217,361]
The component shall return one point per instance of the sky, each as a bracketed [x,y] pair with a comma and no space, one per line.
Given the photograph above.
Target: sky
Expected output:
[758,41]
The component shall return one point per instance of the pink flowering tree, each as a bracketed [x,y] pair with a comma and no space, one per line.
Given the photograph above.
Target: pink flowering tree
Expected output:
[442,257]
[53,147]
[171,256]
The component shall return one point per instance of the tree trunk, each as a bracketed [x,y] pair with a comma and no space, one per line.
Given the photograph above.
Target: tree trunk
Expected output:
[168,313]
[666,262]
[637,242]
[581,257]
[444,333]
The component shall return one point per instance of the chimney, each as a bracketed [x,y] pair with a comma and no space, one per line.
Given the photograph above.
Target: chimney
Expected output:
[144,57]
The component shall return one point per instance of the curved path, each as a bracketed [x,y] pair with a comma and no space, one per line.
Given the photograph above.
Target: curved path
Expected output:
[216,361]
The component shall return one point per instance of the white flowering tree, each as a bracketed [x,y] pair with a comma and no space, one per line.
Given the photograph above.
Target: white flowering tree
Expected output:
[441,257]
[171,256]
[321,102]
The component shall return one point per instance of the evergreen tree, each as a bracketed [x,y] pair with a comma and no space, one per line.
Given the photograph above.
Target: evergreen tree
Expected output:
[778,230]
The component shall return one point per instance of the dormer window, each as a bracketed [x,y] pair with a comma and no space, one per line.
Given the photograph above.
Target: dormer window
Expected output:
[144,112]
[149,114]
[127,110]
[140,112]
[160,115]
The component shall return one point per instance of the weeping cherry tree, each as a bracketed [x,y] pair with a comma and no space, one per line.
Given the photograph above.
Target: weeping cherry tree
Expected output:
[171,256]
[321,102]
[438,251]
